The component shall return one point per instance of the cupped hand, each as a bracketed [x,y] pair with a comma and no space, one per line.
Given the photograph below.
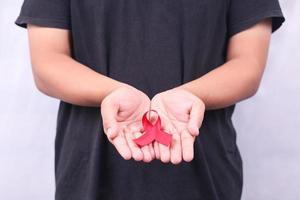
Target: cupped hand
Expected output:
[122,111]
[181,115]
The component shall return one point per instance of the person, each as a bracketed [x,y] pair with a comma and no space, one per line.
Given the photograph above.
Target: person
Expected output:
[110,61]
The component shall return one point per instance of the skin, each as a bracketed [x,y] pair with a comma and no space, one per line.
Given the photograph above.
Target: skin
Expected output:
[182,108]
[182,114]
[122,112]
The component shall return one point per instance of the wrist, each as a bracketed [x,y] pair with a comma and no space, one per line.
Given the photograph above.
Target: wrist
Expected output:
[186,88]
[116,85]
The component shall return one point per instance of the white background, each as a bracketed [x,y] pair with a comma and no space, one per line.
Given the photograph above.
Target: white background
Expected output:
[267,124]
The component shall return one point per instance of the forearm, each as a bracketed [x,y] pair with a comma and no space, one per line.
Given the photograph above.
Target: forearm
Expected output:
[59,76]
[234,81]
[240,76]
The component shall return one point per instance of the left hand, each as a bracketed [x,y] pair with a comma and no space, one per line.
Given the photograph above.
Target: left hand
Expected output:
[181,115]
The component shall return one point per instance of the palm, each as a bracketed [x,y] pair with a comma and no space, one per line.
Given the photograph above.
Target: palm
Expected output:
[174,114]
[131,108]
[175,108]
[122,112]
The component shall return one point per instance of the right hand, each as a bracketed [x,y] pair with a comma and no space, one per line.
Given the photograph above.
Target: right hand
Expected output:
[122,111]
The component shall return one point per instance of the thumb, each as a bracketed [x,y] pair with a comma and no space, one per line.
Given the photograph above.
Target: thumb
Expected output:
[196,118]
[112,132]
[109,112]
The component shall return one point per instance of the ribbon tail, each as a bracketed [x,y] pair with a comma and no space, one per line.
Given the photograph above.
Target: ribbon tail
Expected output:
[164,138]
[145,139]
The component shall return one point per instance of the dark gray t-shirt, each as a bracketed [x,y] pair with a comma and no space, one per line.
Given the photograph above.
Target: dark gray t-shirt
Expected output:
[153,45]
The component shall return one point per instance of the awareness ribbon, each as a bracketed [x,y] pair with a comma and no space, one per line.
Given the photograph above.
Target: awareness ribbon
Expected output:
[153,132]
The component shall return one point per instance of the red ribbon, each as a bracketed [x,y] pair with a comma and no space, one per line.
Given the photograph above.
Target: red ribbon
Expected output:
[153,132]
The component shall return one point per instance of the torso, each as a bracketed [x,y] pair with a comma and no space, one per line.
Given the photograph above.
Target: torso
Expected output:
[153,45]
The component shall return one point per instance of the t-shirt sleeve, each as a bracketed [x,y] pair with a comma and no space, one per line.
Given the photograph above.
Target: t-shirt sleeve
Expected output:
[243,14]
[47,13]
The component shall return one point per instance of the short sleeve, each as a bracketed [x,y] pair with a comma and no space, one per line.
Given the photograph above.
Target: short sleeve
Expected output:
[243,14]
[48,13]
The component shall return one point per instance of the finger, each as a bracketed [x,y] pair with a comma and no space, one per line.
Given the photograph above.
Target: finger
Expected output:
[164,153]
[145,149]
[175,150]
[109,112]
[147,155]
[136,152]
[196,118]
[112,132]
[151,148]
[187,143]
[156,150]
[121,145]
